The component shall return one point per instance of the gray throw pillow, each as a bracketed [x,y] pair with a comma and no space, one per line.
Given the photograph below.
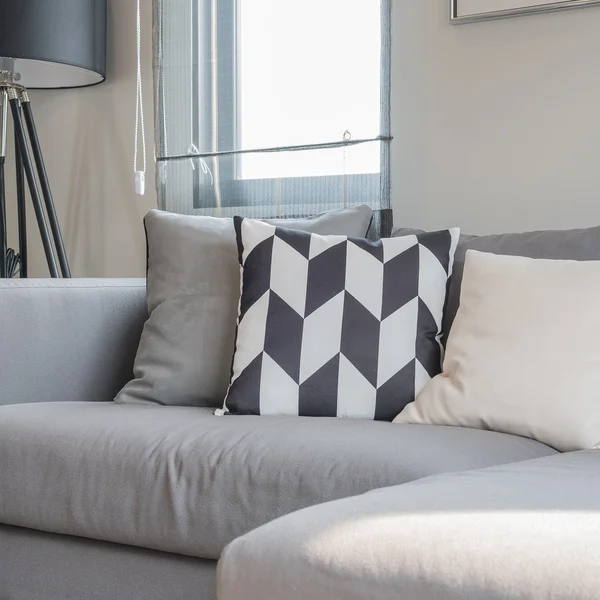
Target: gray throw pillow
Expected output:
[186,348]
[572,244]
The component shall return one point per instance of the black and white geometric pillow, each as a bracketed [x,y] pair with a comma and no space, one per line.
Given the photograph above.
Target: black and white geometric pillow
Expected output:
[335,326]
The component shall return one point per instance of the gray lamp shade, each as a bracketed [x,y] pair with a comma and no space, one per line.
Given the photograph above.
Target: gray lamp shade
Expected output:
[54,43]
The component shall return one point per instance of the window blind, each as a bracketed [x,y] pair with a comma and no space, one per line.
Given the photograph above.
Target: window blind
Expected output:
[273,109]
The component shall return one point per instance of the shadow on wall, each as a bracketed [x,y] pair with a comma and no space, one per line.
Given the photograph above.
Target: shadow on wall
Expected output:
[104,216]
[87,136]
[97,195]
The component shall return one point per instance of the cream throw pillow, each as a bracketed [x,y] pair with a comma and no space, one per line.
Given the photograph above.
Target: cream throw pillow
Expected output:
[523,355]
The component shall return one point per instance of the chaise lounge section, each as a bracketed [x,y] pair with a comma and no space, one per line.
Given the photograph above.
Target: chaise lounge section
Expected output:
[526,531]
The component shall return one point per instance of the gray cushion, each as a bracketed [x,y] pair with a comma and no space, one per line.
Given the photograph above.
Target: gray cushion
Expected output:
[573,244]
[185,353]
[35,565]
[68,339]
[529,531]
[182,480]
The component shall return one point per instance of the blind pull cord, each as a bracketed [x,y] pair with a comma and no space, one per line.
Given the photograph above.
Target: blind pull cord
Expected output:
[140,131]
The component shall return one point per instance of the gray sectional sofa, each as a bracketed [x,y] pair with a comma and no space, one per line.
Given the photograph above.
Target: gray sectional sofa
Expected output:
[104,501]
[107,501]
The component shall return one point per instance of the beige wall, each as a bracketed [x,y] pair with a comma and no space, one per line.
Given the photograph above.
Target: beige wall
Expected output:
[496,128]
[87,136]
[496,124]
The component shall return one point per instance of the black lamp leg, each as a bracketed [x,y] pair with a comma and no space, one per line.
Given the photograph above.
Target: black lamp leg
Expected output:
[21,210]
[33,188]
[3,243]
[45,185]
[3,133]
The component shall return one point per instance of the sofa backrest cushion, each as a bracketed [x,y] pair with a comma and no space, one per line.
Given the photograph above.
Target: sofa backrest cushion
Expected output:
[68,340]
[573,244]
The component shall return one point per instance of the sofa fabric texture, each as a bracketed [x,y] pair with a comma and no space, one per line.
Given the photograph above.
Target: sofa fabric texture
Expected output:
[335,326]
[179,479]
[570,244]
[522,356]
[526,531]
[184,356]
[35,565]
[68,339]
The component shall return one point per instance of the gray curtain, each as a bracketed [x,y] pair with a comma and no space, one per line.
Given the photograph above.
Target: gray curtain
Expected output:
[203,161]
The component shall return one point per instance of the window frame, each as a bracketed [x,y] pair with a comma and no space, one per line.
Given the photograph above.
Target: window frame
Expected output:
[220,19]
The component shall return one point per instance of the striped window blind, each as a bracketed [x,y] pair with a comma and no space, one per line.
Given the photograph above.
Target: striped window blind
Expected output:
[271,108]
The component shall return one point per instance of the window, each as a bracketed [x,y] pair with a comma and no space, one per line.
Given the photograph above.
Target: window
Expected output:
[269,108]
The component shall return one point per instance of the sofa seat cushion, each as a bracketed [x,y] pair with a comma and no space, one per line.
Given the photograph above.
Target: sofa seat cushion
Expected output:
[528,531]
[182,480]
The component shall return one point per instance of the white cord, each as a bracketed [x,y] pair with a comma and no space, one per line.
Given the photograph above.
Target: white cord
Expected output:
[161,102]
[140,175]
[193,151]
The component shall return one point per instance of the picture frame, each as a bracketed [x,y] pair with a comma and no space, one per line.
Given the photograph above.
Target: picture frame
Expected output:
[470,11]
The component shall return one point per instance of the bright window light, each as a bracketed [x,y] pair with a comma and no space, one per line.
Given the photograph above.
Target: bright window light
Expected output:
[308,71]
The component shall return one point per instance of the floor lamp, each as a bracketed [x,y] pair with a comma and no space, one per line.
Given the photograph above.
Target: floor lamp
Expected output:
[43,45]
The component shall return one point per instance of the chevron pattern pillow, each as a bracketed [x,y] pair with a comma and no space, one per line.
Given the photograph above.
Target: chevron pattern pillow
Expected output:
[331,326]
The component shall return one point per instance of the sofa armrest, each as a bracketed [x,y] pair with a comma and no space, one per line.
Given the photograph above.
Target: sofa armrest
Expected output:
[68,340]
